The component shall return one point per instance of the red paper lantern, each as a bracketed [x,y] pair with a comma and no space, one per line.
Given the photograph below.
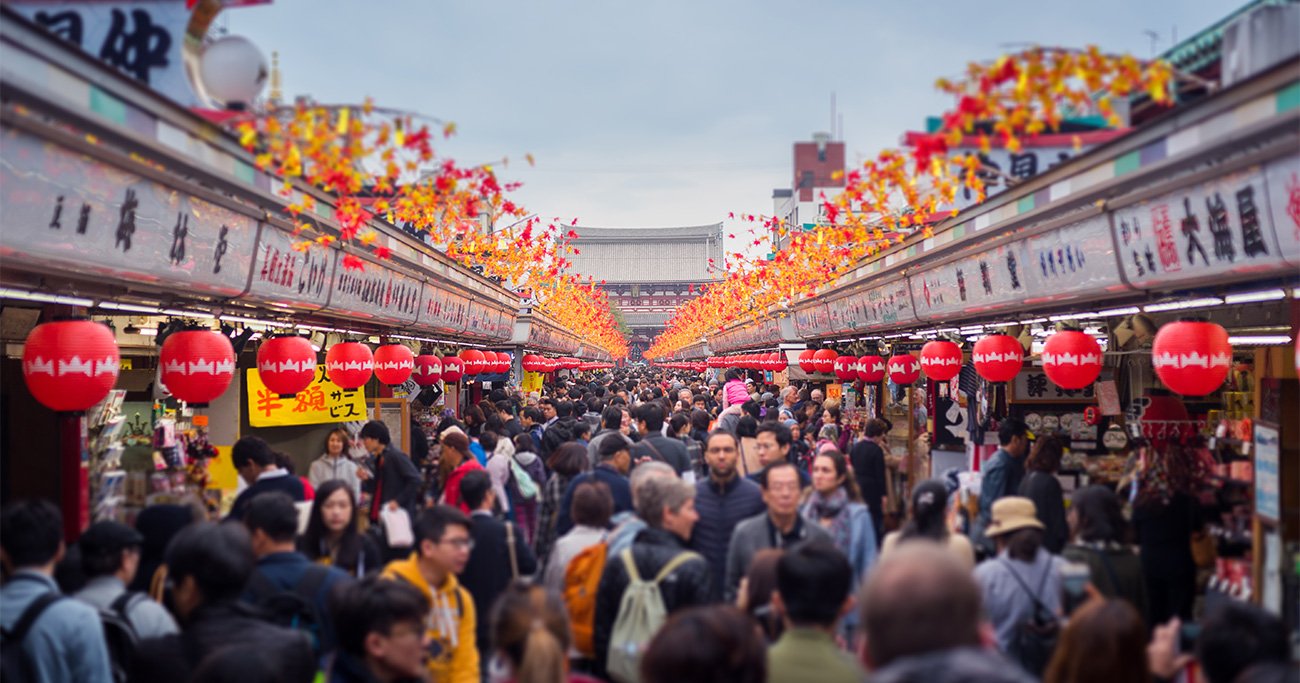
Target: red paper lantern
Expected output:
[871,369]
[998,357]
[473,362]
[846,368]
[393,364]
[903,369]
[286,365]
[529,363]
[197,365]
[1192,358]
[428,370]
[349,364]
[453,368]
[1072,359]
[70,365]
[776,362]
[824,360]
[941,360]
[806,362]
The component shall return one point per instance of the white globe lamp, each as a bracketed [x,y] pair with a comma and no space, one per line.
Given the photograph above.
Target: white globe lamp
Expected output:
[233,71]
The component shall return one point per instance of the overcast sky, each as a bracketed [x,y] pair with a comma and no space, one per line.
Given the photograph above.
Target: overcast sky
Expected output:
[665,113]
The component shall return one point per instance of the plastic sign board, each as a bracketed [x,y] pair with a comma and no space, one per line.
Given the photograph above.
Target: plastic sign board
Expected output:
[321,402]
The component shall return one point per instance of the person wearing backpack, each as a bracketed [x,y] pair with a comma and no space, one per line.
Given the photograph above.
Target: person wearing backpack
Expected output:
[208,566]
[498,555]
[44,637]
[527,477]
[290,589]
[110,554]
[1021,585]
[645,583]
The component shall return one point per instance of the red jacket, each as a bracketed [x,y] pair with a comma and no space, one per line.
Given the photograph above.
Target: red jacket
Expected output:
[451,492]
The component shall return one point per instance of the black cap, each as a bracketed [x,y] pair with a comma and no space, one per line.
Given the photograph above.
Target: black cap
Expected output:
[108,538]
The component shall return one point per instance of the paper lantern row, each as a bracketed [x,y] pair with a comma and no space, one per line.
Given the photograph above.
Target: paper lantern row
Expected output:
[765,362]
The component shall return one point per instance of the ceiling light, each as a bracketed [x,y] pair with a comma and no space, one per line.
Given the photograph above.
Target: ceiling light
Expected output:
[149,332]
[1032,321]
[253,321]
[187,314]
[1260,340]
[41,297]
[1251,297]
[109,305]
[1183,305]
[1127,310]
[1073,316]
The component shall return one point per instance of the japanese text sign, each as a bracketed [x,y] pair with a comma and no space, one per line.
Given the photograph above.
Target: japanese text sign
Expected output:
[321,402]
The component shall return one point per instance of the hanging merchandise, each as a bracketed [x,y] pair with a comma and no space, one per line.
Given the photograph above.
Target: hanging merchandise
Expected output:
[806,362]
[846,368]
[349,364]
[428,370]
[197,365]
[871,369]
[393,364]
[70,365]
[286,365]
[998,357]
[453,368]
[1192,358]
[1072,359]
[473,361]
[824,360]
[904,369]
[941,360]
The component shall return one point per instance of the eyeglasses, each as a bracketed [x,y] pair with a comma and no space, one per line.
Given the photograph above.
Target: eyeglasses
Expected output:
[783,487]
[459,543]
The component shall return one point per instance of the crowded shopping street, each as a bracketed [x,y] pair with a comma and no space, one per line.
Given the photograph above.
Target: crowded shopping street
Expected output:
[507,342]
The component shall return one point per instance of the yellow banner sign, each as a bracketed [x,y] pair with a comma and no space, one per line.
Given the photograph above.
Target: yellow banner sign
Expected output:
[319,403]
[532,381]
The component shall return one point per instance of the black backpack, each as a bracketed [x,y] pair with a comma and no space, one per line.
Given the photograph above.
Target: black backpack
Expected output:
[294,608]
[15,667]
[120,637]
[1035,637]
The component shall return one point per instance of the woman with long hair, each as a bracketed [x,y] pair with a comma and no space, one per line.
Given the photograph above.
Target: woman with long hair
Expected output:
[332,538]
[1041,486]
[844,435]
[836,506]
[1104,642]
[530,635]
[929,521]
[335,463]
[567,462]
[1100,539]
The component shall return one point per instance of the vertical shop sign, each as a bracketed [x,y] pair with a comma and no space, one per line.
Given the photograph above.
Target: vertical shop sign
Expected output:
[1267,501]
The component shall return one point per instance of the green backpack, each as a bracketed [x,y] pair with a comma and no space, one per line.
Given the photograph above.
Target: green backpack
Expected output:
[640,615]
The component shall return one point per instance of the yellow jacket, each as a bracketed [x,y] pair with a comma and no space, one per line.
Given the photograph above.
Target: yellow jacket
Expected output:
[453,655]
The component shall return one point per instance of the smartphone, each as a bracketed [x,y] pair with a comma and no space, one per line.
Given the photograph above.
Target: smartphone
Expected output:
[1187,635]
[1074,582]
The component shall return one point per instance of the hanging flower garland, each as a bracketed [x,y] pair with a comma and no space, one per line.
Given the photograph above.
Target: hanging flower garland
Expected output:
[902,192]
[382,163]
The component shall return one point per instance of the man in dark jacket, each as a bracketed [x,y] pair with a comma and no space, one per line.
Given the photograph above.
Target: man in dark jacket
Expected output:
[656,446]
[615,462]
[1001,476]
[209,565]
[255,462]
[395,481]
[723,500]
[379,624]
[667,506]
[272,522]
[779,527]
[868,459]
[611,420]
[492,562]
[509,424]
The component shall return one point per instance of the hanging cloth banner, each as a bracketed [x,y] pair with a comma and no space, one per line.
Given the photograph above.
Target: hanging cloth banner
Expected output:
[321,402]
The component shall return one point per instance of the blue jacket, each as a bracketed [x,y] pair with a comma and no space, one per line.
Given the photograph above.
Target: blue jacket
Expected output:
[1000,478]
[862,544]
[721,508]
[67,642]
[618,487]
[285,570]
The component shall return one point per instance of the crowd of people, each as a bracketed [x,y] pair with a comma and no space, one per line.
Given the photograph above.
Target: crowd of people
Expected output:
[637,527]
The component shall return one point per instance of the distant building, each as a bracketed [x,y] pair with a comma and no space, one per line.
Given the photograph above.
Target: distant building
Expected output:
[649,272]
[818,168]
